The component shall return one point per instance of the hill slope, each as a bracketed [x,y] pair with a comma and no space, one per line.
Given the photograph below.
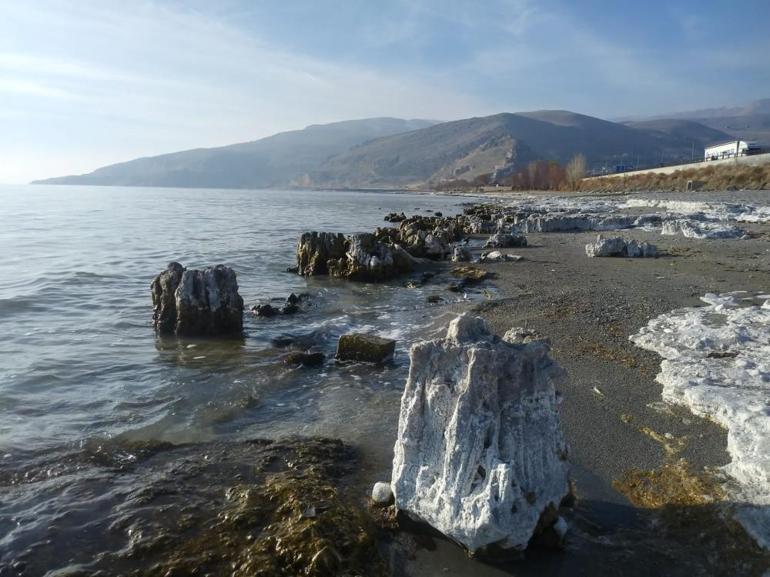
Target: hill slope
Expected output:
[501,144]
[278,160]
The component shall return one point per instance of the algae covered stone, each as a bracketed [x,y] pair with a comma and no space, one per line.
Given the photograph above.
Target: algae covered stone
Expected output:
[365,348]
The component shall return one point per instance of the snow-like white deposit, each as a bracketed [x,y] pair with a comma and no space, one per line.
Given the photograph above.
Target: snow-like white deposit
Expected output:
[480,453]
[735,211]
[716,361]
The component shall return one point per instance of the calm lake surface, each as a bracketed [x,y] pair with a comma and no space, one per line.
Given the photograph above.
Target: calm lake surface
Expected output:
[80,366]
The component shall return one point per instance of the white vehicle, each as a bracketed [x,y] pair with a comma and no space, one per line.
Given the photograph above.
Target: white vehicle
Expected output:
[731,149]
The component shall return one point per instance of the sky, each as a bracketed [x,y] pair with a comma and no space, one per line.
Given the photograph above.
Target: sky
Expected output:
[88,83]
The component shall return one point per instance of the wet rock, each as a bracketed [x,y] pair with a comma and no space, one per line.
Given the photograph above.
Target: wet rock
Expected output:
[197,302]
[506,240]
[395,217]
[434,299]
[304,358]
[620,247]
[367,259]
[316,249]
[265,310]
[365,348]
[382,494]
[480,455]
[470,274]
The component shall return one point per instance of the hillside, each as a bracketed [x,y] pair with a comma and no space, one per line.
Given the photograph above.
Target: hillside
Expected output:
[279,160]
[499,144]
[389,152]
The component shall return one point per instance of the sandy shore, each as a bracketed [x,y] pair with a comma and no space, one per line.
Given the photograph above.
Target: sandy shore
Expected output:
[612,412]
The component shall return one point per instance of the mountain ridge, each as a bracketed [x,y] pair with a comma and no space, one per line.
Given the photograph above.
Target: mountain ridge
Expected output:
[388,152]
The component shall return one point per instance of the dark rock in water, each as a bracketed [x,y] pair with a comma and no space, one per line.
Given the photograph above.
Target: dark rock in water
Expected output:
[292,299]
[290,309]
[395,217]
[438,213]
[197,302]
[365,348]
[434,299]
[163,289]
[265,310]
[304,358]
[315,249]
[292,269]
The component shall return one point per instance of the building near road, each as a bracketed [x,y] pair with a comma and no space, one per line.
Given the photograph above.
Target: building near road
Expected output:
[731,149]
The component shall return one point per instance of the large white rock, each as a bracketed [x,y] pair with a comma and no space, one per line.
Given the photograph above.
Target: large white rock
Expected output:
[480,454]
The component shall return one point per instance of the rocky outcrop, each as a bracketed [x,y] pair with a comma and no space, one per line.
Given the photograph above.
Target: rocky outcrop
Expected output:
[506,240]
[316,249]
[196,302]
[480,455]
[360,257]
[365,348]
[620,247]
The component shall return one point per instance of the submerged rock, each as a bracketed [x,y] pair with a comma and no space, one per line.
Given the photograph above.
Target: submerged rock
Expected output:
[395,217]
[619,246]
[365,348]
[304,358]
[480,455]
[197,302]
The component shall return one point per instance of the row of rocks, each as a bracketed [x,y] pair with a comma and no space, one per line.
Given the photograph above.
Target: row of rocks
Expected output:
[290,307]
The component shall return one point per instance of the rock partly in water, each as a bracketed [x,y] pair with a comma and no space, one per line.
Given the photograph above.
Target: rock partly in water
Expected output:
[361,257]
[619,246]
[367,259]
[265,310]
[304,359]
[316,249]
[365,348]
[395,217]
[480,455]
[196,303]
[506,240]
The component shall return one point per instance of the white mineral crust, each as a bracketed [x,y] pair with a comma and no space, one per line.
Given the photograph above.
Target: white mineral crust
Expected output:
[480,453]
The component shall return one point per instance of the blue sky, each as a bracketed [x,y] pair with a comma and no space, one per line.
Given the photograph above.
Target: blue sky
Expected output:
[87,83]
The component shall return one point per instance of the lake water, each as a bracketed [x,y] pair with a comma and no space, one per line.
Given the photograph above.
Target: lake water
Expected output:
[80,366]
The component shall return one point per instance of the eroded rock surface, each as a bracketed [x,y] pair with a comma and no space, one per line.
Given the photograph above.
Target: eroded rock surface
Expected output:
[480,454]
[620,247]
[197,302]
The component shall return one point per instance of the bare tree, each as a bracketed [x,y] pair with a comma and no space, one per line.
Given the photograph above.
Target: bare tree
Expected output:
[576,170]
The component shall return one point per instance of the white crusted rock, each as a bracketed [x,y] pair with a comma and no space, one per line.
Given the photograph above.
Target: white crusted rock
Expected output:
[618,246]
[480,454]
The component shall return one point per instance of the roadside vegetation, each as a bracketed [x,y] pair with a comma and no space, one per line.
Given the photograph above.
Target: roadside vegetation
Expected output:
[734,177]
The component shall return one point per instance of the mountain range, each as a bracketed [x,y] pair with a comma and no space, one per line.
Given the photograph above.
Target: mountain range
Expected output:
[391,152]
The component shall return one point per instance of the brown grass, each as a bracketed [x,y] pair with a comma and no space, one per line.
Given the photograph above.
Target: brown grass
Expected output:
[709,178]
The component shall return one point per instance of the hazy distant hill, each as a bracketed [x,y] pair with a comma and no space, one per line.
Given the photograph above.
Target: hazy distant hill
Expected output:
[501,143]
[278,160]
[748,122]
[388,152]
